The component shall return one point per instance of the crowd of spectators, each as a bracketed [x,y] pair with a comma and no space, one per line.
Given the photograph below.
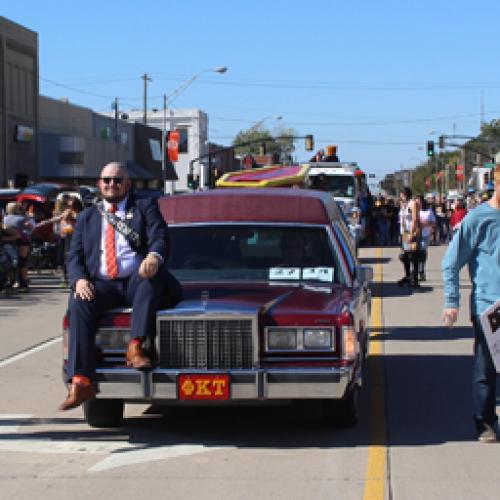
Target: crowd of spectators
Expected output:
[18,237]
[412,223]
[441,218]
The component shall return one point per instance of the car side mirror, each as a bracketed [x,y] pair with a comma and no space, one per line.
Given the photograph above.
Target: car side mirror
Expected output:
[364,274]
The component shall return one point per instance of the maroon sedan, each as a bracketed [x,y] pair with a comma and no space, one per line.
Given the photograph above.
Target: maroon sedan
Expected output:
[275,308]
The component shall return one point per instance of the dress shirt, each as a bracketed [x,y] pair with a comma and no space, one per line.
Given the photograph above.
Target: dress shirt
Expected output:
[128,260]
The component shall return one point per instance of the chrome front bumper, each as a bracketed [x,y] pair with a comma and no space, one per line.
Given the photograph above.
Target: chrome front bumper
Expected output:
[250,385]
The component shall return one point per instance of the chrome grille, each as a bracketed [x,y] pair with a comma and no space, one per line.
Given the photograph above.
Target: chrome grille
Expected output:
[205,343]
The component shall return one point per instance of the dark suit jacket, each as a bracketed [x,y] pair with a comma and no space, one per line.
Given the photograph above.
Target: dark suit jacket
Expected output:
[85,251]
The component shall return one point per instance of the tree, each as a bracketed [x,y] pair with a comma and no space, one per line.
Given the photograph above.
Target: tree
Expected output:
[255,135]
[281,142]
[284,142]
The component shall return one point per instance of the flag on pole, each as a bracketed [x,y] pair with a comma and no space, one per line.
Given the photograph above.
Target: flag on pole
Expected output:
[173,145]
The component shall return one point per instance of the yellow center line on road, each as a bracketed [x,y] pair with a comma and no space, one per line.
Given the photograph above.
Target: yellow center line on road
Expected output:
[377,452]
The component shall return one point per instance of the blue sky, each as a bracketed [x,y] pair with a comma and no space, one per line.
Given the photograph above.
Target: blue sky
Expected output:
[374,77]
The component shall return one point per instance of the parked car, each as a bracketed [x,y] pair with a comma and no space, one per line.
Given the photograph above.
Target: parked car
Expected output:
[275,308]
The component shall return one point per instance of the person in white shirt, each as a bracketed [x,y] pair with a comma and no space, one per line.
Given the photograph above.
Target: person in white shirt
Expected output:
[427,225]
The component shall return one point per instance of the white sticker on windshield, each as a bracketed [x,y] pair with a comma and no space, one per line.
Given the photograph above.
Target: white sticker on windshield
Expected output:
[318,273]
[284,273]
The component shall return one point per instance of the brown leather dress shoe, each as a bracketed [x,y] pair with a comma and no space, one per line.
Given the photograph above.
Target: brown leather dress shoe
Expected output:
[77,394]
[136,357]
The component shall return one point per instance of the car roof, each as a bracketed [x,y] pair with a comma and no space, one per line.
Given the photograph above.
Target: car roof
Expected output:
[284,205]
[47,189]
[9,191]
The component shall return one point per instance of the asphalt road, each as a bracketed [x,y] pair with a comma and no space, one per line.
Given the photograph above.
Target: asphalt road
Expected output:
[414,440]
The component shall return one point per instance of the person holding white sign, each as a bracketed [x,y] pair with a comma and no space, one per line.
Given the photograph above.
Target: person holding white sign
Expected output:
[477,244]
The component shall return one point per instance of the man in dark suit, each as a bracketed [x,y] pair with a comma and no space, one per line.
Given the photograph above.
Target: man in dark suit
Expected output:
[106,270]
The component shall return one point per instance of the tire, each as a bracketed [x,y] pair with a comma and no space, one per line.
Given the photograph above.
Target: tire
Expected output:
[342,412]
[103,412]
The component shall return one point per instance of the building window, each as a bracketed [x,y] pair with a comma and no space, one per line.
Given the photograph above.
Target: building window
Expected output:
[183,140]
[105,133]
[23,134]
[71,157]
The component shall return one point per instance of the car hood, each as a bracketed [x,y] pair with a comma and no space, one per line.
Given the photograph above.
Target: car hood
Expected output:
[265,299]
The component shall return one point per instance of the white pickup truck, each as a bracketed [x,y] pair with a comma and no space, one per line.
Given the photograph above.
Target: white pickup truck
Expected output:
[343,180]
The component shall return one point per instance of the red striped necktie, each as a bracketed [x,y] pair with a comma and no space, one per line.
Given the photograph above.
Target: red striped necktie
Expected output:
[110,249]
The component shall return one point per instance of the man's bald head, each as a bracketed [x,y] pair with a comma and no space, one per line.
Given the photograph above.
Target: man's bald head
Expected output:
[114,169]
[114,182]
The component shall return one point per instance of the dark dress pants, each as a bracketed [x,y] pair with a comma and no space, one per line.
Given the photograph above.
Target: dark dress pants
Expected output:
[143,295]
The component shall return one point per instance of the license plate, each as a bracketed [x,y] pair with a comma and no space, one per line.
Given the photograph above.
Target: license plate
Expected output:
[203,387]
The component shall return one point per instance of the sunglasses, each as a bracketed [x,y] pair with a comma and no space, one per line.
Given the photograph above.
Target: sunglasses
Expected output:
[107,180]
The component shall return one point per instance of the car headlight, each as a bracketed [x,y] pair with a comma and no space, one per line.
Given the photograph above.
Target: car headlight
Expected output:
[282,338]
[318,339]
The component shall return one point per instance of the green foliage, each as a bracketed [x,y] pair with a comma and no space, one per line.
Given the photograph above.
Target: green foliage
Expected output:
[284,141]
[252,134]
[476,151]
[279,142]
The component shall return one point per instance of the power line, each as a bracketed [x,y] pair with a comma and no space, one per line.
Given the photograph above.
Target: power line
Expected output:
[354,85]
[85,92]
[365,123]
[344,141]
[297,84]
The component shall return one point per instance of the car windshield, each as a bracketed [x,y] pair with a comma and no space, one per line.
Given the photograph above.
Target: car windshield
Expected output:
[337,185]
[253,253]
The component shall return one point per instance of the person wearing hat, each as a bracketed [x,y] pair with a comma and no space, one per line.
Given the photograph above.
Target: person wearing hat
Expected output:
[477,244]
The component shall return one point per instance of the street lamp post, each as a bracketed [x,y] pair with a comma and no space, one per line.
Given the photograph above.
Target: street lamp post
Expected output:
[256,125]
[167,101]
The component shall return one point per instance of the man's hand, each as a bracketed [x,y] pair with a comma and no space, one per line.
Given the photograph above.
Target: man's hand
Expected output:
[84,289]
[450,317]
[149,266]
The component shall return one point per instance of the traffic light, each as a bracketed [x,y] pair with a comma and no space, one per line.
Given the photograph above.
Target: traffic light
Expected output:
[309,142]
[441,142]
[190,181]
[430,148]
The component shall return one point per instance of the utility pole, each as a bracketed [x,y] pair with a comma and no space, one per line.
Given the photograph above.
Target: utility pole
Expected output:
[115,107]
[446,179]
[482,110]
[146,79]
[462,161]
[164,144]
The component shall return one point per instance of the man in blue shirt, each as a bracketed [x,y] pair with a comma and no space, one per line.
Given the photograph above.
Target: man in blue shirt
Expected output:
[477,244]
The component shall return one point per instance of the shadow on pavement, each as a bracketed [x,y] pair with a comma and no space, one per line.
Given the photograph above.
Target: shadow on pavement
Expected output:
[392,289]
[419,333]
[429,399]
[428,402]
[375,260]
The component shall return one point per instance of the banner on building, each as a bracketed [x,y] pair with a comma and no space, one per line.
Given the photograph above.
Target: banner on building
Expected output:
[173,145]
